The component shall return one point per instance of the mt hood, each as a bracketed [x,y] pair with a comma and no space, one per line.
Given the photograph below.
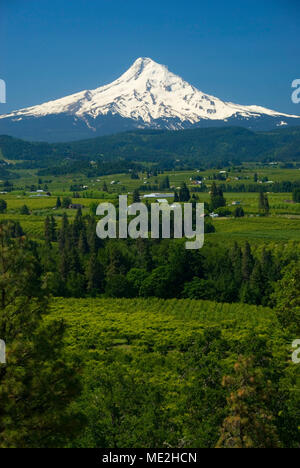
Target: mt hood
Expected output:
[147,95]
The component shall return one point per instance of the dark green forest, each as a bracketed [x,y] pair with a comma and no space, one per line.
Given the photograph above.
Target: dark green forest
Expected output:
[166,149]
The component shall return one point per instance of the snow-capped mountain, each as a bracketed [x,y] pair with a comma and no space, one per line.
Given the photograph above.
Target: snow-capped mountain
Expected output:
[147,95]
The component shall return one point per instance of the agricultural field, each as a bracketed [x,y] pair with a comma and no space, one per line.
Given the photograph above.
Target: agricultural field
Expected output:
[281,225]
[149,333]
[153,368]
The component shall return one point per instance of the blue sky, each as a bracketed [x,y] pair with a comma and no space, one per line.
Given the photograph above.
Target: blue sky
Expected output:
[244,51]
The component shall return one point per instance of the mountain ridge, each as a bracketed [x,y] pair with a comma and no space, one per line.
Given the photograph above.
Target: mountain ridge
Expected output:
[147,95]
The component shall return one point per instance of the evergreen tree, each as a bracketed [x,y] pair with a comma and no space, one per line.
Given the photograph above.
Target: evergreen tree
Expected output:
[238,212]
[256,284]
[93,276]
[25,210]
[58,203]
[249,423]
[247,262]
[63,266]
[53,228]
[263,203]
[236,261]
[136,196]
[47,232]
[77,227]
[36,384]
[184,193]
[176,197]
[3,206]
[64,232]
[217,199]
[83,244]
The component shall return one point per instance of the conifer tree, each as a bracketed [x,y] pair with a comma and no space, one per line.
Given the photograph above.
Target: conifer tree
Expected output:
[47,232]
[93,276]
[236,261]
[53,228]
[184,193]
[256,284]
[64,232]
[247,262]
[36,383]
[217,199]
[249,423]
[136,196]
[83,244]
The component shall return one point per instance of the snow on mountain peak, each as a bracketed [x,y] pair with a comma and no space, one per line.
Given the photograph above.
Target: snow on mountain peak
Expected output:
[147,92]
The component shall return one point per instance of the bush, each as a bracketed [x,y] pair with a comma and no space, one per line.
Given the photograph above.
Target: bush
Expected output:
[223,212]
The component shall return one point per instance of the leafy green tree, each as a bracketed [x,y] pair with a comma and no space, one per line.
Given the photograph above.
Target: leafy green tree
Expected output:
[117,286]
[135,277]
[287,298]
[263,203]
[66,202]
[199,288]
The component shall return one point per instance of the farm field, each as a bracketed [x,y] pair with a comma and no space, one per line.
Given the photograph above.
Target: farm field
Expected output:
[144,351]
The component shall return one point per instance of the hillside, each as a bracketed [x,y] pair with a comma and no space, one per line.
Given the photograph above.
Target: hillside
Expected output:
[167,149]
